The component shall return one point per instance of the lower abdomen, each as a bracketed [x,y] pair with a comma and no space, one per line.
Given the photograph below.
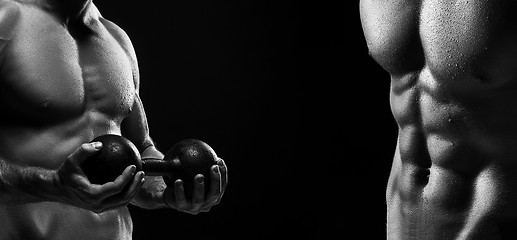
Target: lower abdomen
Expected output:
[50,220]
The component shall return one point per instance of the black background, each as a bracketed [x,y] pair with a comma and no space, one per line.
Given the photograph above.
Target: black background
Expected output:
[286,93]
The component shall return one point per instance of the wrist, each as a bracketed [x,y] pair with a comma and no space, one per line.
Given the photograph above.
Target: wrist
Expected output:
[54,186]
[45,185]
[150,152]
[152,194]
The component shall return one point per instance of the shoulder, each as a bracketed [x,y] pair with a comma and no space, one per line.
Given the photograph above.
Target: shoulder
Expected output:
[115,31]
[122,38]
[9,17]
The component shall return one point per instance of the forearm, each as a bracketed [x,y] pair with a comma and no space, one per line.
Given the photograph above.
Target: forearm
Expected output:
[25,184]
[150,195]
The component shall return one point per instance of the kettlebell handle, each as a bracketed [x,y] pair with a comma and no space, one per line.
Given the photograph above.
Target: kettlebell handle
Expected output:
[159,167]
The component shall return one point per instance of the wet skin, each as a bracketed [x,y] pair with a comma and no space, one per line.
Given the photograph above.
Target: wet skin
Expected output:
[453,68]
[66,76]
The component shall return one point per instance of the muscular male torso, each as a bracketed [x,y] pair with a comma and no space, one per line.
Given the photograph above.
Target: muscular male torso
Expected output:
[60,85]
[453,68]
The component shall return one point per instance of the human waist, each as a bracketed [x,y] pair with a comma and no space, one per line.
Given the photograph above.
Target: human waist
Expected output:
[51,220]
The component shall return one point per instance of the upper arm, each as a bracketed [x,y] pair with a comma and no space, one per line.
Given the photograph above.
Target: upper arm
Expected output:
[123,39]
[134,126]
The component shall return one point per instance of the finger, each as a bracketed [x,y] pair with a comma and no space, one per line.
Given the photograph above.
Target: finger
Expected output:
[132,189]
[198,194]
[215,185]
[179,194]
[112,188]
[135,186]
[81,185]
[84,151]
[224,173]
[169,198]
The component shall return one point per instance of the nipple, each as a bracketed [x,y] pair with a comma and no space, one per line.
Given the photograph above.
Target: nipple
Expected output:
[45,103]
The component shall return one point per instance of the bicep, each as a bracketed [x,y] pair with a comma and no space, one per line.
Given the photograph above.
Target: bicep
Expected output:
[135,127]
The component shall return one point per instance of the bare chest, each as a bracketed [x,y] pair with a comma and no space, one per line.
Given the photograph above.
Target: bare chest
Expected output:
[49,74]
[454,39]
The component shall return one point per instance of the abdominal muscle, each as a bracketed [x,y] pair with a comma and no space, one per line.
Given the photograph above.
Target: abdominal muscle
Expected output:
[438,202]
[453,170]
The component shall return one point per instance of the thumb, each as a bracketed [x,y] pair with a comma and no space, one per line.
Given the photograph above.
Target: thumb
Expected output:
[84,151]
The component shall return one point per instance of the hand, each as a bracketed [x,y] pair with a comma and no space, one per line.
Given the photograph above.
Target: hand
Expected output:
[175,197]
[75,189]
